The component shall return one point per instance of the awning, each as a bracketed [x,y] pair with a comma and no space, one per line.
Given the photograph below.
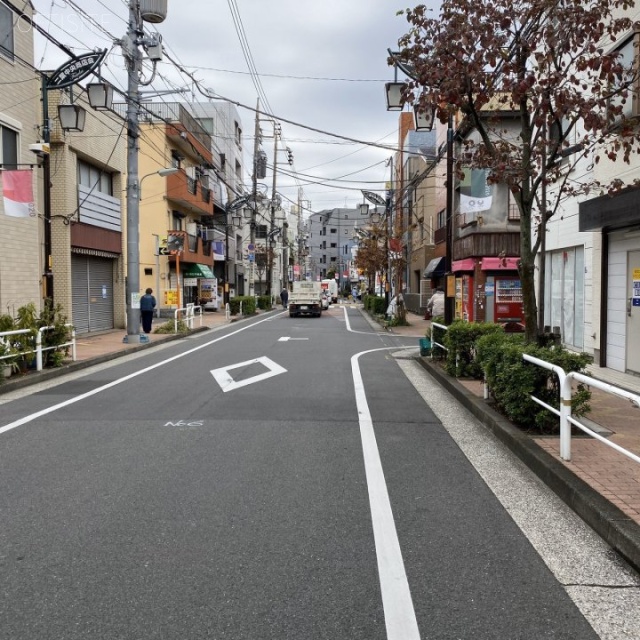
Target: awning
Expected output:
[468,264]
[435,268]
[499,264]
[197,271]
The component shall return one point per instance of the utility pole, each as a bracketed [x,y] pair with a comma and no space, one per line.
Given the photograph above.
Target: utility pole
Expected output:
[254,193]
[131,44]
[449,302]
[133,57]
[272,220]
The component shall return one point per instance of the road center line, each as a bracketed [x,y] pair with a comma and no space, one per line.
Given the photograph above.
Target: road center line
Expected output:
[399,614]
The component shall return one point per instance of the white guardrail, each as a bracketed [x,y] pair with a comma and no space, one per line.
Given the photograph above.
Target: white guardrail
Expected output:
[189,313]
[38,349]
[564,413]
[433,342]
[566,420]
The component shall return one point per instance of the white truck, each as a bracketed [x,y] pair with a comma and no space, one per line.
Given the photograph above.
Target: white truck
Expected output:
[305,299]
[331,288]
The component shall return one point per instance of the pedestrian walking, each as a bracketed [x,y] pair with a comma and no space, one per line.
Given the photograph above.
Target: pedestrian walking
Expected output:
[435,306]
[284,296]
[147,305]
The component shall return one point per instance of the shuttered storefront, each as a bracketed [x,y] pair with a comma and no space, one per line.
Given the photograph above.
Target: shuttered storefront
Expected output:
[92,281]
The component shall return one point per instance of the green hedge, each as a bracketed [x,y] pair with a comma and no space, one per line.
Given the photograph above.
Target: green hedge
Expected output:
[460,340]
[248,305]
[264,303]
[375,305]
[512,380]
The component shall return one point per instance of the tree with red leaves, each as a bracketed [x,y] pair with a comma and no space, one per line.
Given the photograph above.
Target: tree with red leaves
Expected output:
[554,65]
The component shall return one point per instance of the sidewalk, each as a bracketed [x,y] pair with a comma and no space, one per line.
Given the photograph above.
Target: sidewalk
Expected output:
[600,484]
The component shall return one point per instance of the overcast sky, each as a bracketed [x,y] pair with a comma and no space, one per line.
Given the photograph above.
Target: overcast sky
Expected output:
[321,64]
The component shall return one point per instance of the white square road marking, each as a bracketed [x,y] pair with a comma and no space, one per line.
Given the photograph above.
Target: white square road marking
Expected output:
[227,383]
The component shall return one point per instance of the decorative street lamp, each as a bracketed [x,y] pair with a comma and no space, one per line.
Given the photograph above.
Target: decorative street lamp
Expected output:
[72,118]
[100,95]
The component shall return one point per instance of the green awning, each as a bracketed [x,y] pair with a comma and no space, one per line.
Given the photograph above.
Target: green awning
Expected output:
[197,271]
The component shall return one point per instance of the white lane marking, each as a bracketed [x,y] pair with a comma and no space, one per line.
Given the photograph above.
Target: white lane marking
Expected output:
[227,383]
[88,394]
[399,614]
[286,339]
[364,333]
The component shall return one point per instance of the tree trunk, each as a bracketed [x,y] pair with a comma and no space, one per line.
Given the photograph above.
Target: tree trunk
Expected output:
[527,280]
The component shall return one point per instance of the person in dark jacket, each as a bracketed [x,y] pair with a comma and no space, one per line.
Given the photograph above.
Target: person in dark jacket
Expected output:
[147,305]
[284,296]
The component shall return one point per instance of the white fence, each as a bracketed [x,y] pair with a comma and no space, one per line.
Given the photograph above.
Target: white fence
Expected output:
[188,314]
[38,349]
[564,413]
[566,420]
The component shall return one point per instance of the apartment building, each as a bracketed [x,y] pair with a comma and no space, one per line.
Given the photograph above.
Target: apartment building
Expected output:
[22,268]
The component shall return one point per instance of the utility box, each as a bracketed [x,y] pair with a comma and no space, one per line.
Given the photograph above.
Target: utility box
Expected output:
[154,11]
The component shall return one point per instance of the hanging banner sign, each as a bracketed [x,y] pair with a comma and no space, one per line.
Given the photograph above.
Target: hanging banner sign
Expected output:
[75,70]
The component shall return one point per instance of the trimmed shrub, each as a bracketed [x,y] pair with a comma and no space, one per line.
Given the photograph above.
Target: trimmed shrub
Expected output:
[264,303]
[375,305]
[460,341]
[248,305]
[513,381]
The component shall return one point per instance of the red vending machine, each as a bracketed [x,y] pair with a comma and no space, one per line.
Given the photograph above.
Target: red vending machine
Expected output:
[508,302]
[464,298]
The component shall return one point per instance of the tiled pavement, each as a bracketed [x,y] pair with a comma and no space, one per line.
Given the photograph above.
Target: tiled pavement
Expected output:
[608,472]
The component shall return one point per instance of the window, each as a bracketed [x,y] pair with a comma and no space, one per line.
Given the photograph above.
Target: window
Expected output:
[9,149]
[333,231]
[261,231]
[238,134]
[564,294]
[442,219]
[176,159]
[6,32]
[628,52]
[94,178]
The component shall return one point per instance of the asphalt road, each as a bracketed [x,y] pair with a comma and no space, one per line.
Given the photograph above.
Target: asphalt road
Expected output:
[279,479]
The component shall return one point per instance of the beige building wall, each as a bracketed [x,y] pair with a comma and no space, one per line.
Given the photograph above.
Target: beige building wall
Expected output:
[155,217]
[21,239]
[102,143]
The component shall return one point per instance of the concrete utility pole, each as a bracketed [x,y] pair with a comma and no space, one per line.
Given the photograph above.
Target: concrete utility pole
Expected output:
[131,44]
[133,56]
[272,221]
[254,190]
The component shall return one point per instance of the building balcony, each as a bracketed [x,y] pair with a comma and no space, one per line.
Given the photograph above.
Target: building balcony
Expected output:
[195,249]
[188,194]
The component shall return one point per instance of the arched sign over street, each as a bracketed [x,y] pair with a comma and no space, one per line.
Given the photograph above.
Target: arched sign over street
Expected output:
[75,69]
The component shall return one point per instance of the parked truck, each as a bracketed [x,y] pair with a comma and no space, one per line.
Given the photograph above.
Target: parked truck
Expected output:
[305,299]
[331,288]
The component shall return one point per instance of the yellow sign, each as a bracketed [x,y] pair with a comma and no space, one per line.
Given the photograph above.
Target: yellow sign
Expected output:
[636,274]
[171,297]
[451,286]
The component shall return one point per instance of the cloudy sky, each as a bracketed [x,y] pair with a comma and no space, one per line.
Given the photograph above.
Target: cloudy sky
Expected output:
[321,64]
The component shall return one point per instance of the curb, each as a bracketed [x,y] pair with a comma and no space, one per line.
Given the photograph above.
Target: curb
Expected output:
[608,521]
[34,377]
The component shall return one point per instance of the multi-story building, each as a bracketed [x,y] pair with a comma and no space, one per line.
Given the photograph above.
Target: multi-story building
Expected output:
[331,242]
[88,208]
[178,205]
[22,267]
[222,122]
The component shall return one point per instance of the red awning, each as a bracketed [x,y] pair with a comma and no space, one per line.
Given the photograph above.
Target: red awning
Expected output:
[499,264]
[468,264]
